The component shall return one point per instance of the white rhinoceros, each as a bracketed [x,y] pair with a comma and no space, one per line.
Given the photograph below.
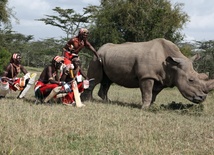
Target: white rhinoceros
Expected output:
[150,66]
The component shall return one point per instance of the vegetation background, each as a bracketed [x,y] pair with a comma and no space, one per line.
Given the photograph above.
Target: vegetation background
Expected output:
[112,21]
[173,125]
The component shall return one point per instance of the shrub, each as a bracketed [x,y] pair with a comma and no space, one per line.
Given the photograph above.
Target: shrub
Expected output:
[4,59]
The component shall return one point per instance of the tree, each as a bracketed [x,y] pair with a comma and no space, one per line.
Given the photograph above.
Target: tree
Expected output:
[206,63]
[137,20]
[40,53]
[6,13]
[67,20]
[5,16]
[186,49]
[4,59]
[13,41]
[34,53]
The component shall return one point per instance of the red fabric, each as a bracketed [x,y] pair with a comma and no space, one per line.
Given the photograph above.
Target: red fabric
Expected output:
[12,87]
[67,57]
[80,87]
[44,87]
[16,82]
[38,84]
[69,98]
[67,61]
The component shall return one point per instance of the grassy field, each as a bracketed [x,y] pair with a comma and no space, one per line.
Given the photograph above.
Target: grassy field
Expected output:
[172,126]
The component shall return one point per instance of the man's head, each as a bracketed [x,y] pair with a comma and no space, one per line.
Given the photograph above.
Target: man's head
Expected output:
[15,58]
[76,61]
[57,61]
[83,33]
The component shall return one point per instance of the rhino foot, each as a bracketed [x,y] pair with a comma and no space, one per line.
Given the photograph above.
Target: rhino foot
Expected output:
[86,95]
[145,106]
[101,95]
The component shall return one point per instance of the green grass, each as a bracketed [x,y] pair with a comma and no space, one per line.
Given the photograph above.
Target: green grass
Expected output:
[172,126]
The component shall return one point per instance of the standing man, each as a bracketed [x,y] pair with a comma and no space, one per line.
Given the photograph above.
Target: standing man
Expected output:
[74,45]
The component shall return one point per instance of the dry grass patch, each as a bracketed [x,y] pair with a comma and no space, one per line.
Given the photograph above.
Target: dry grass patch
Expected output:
[119,127]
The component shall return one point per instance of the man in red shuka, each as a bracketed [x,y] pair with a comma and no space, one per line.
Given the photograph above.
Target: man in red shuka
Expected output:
[10,75]
[48,84]
[71,74]
[74,45]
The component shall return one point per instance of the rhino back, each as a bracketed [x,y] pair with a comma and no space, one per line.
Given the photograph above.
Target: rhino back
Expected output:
[126,63]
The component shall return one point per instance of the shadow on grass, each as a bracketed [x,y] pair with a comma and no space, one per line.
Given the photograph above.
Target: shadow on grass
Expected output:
[177,106]
[123,104]
[30,100]
[34,101]
[191,109]
[182,108]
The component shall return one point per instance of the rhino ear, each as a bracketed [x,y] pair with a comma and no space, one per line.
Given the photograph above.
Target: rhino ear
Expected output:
[173,61]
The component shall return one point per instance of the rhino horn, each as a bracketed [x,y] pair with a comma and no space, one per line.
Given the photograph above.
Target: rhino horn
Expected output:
[210,85]
[203,76]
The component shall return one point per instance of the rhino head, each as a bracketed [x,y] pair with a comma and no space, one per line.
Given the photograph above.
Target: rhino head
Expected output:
[192,85]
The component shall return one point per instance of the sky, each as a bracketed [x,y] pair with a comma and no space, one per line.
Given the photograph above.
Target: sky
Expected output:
[200,27]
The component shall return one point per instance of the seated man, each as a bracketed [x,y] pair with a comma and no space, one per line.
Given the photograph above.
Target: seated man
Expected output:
[71,73]
[48,84]
[10,78]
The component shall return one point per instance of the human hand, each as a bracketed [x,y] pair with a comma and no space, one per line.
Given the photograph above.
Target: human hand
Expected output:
[14,79]
[82,43]
[3,79]
[71,47]
[61,83]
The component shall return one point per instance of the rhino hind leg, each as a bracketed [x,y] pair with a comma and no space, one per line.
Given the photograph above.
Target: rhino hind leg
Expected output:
[87,93]
[95,71]
[104,87]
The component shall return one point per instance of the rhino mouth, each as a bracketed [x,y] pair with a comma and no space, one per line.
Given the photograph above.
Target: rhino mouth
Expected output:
[198,99]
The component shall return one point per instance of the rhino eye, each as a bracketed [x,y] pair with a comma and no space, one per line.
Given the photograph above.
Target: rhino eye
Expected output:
[191,79]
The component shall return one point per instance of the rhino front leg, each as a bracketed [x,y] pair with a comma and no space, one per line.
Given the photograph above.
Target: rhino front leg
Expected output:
[157,88]
[146,87]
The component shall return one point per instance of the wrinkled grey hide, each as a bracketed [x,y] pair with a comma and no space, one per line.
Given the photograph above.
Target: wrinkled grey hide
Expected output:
[150,66]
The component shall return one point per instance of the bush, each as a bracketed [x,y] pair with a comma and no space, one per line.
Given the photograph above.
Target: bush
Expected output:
[4,59]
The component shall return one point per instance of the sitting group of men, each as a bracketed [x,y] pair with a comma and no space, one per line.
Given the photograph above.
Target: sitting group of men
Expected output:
[56,80]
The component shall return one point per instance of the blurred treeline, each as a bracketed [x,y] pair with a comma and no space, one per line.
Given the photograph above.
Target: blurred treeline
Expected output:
[112,21]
